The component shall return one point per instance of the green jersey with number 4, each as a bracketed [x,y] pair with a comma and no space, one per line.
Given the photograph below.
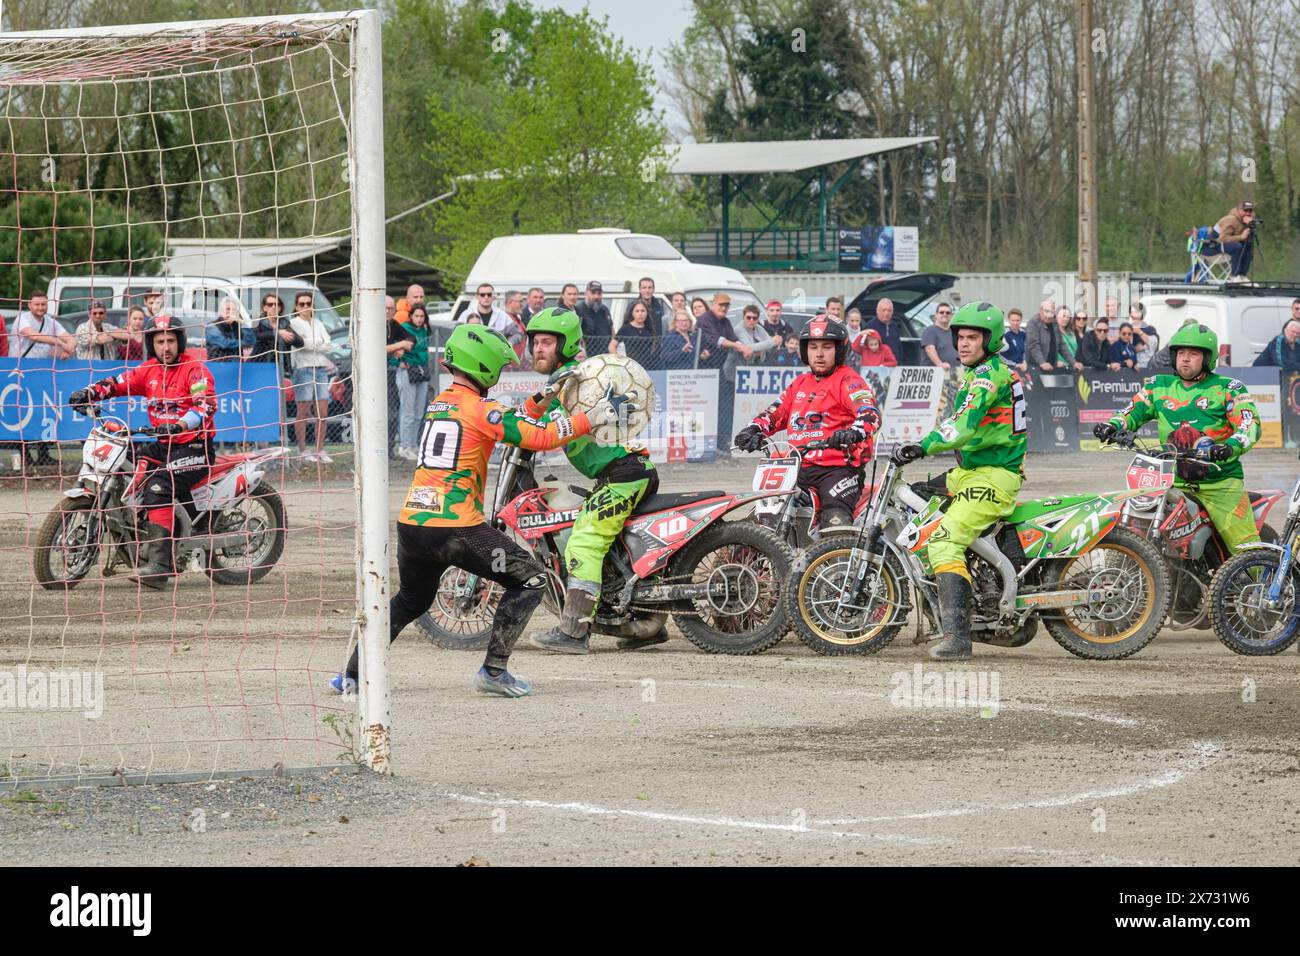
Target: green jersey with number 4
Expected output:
[1217,407]
[987,425]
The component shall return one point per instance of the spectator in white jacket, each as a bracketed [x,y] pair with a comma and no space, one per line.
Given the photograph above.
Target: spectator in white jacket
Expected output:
[311,377]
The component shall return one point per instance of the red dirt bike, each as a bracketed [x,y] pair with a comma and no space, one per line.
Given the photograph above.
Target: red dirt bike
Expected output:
[1176,522]
[232,524]
[720,580]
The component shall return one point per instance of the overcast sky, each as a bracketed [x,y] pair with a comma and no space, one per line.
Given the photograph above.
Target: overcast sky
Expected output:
[647,26]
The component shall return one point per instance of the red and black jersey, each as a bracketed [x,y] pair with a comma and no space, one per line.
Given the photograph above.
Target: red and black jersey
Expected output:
[171,392]
[813,408]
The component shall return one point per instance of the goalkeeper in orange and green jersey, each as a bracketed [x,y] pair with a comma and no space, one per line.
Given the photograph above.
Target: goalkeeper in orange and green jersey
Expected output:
[1197,410]
[987,431]
[441,524]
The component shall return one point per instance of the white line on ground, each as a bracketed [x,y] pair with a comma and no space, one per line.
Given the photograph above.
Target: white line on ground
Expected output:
[726,822]
[1203,753]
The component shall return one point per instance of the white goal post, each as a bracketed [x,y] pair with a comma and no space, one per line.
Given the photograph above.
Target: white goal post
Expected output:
[257,135]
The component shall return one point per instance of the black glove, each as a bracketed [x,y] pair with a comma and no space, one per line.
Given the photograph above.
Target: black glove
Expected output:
[844,437]
[1191,470]
[1105,432]
[167,428]
[79,399]
[1218,453]
[750,439]
[905,453]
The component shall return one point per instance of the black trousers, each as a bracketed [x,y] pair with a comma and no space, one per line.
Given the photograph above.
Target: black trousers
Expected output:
[173,471]
[423,554]
[838,489]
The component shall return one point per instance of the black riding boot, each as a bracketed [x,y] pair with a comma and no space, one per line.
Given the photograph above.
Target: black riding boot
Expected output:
[572,636]
[954,618]
[154,565]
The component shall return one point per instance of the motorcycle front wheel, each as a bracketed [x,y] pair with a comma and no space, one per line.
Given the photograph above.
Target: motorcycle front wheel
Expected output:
[833,614]
[67,544]
[1240,611]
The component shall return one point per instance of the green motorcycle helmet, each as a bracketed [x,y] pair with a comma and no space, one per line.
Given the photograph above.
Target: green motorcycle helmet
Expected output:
[1193,335]
[478,353]
[561,323]
[983,317]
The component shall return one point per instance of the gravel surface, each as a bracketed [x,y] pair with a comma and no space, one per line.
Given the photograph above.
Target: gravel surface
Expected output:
[1184,754]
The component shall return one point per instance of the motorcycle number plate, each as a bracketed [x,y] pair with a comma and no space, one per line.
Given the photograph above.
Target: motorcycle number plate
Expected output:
[776,474]
[1146,473]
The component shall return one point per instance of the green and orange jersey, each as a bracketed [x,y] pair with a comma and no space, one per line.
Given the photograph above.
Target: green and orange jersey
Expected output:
[1216,407]
[456,440]
[987,426]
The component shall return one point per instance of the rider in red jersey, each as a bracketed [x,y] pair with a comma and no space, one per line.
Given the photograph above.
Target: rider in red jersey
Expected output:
[181,399]
[829,403]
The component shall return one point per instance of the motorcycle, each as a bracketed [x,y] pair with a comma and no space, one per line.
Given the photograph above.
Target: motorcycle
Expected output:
[1101,589]
[1253,595]
[1178,524]
[720,580]
[793,512]
[232,525]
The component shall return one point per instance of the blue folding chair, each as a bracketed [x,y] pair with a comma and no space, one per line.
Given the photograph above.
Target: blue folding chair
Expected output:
[1209,263]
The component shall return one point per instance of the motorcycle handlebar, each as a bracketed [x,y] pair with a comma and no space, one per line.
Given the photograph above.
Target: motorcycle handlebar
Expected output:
[1129,440]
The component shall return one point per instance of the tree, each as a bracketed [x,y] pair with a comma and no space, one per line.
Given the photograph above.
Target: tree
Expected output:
[568,140]
[82,237]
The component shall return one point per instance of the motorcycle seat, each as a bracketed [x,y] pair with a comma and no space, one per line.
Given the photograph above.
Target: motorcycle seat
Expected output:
[659,502]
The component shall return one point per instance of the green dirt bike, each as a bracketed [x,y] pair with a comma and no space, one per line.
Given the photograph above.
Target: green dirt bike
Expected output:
[1102,590]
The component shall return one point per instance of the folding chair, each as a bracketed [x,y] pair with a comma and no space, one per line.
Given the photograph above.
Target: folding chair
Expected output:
[1209,263]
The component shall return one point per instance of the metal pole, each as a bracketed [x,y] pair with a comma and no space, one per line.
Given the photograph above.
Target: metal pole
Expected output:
[370,389]
[821,209]
[726,219]
[1087,163]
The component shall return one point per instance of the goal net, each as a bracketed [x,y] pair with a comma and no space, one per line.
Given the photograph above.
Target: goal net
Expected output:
[228,174]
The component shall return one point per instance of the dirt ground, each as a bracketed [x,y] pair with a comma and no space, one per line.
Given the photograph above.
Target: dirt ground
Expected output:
[1185,754]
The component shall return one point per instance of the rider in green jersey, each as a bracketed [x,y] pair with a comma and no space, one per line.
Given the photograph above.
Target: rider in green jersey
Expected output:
[987,431]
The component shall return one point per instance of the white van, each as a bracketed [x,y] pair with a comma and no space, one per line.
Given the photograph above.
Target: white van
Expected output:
[1244,317]
[616,258]
[73,294]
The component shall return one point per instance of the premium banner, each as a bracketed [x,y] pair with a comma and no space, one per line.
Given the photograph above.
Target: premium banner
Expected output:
[1103,394]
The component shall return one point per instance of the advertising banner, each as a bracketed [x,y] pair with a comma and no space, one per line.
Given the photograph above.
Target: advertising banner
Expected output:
[34,400]
[1103,394]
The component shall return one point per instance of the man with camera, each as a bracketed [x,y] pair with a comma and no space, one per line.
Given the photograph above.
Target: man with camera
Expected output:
[1237,238]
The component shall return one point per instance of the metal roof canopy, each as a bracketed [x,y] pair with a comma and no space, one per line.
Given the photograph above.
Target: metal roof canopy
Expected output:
[780,156]
[327,258]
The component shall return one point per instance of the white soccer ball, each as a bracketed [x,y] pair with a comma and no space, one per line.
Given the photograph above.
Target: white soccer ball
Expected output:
[595,377]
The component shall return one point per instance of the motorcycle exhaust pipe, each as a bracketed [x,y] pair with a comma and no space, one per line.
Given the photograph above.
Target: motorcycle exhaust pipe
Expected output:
[637,629]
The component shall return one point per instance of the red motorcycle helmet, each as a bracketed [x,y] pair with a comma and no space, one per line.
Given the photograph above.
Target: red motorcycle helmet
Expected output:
[824,327]
[163,323]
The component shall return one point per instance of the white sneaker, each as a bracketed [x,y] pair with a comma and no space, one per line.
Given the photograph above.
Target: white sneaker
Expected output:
[324,458]
[309,456]
[407,453]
